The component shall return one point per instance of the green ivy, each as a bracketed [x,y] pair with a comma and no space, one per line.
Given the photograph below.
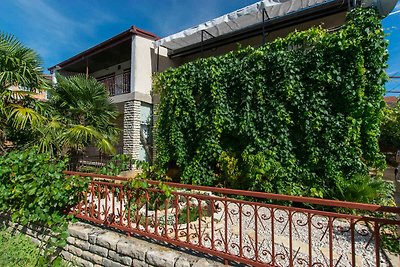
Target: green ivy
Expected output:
[117,164]
[33,189]
[295,116]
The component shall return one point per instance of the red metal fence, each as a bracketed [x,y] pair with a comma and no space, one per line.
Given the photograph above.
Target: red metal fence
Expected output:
[258,233]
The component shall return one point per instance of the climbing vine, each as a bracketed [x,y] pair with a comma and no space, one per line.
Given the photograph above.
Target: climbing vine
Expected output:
[298,116]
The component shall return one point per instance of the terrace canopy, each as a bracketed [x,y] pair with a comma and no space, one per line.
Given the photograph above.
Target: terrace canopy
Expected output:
[254,15]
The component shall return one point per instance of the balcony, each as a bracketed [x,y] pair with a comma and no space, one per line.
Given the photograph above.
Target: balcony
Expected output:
[117,84]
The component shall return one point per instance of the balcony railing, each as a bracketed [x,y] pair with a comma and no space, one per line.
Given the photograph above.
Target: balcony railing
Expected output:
[117,84]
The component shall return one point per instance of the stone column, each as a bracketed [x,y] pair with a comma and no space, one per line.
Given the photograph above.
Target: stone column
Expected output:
[132,128]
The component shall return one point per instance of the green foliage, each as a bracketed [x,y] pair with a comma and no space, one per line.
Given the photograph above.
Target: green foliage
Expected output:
[19,66]
[117,164]
[391,238]
[33,189]
[79,114]
[390,127]
[298,116]
[155,199]
[19,250]
[140,184]
[363,188]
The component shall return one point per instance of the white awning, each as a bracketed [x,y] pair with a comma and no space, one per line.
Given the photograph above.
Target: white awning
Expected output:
[237,20]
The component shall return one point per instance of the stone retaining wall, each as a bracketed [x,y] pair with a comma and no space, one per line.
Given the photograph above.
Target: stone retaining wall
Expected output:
[92,246]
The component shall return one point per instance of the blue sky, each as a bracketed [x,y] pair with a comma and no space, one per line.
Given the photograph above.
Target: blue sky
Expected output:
[391,25]
[58,30]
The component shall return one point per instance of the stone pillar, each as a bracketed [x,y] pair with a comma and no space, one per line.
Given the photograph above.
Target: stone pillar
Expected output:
[132,128]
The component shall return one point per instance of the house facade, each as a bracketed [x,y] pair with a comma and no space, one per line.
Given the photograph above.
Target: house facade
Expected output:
[126,62]
[124,65]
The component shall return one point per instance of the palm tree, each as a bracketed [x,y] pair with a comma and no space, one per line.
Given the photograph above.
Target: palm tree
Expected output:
[81,115]
[20,67]
[78,114]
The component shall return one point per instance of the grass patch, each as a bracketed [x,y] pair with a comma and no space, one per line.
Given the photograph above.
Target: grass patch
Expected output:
[18,250]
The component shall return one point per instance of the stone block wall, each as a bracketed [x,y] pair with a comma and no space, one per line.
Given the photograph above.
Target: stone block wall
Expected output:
[131,140]
[92,246]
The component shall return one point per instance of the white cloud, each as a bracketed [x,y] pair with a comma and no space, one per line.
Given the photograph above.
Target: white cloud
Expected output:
[47,18]
[177,16]
[53,33]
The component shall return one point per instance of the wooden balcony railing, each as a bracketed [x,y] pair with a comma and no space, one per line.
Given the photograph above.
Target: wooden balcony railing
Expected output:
[117,84]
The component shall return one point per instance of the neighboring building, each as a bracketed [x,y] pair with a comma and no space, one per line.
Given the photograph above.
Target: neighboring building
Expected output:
[38,94]
[126,62]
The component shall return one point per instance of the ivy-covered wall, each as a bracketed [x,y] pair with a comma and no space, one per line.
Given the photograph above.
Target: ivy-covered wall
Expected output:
[299,115]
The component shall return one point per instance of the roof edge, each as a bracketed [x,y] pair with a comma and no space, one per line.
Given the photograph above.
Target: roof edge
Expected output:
[121,37]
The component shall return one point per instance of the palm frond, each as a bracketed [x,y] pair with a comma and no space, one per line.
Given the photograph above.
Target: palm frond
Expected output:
[19,65]
[85,102]
[106,146]
[23,117]
[79,136]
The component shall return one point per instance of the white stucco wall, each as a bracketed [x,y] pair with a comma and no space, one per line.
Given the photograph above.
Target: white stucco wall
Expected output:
[113,69]
[141,65]
[160,57]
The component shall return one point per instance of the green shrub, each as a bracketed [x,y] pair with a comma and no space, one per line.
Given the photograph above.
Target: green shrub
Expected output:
[117,164]
[390,128]
[297,116]
[363,188]
[33,189]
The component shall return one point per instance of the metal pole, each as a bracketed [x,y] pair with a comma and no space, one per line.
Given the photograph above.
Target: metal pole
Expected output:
[202,39]
[263,26]
[264,16]
[87,69]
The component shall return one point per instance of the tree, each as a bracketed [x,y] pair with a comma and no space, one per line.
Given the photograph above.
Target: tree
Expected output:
[81,114]
[390,128]
[78,114]
[20,67]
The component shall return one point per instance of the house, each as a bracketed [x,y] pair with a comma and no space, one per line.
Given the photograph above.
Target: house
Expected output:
[126,62]
[40,95]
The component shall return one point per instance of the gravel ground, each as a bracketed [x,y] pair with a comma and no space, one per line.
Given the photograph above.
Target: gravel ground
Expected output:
[319,247]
